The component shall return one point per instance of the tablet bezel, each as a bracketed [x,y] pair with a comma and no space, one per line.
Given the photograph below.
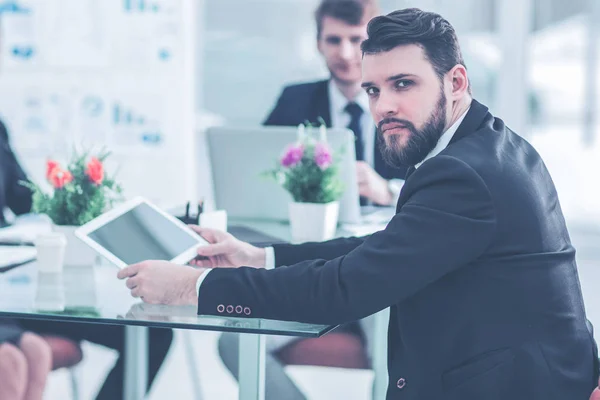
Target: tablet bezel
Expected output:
[83,231]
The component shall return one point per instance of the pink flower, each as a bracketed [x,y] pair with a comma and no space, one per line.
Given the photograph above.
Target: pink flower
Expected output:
[292,156]
[322,156]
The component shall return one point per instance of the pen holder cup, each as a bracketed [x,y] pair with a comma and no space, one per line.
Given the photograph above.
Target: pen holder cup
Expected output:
[214,220]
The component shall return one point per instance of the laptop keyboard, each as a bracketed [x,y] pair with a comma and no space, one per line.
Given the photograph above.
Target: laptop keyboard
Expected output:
[252,236]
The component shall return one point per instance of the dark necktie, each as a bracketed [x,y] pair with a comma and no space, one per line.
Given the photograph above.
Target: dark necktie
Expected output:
[355,113]
[359,145]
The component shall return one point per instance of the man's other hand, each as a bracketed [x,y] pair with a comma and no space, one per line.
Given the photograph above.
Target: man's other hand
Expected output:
[371,185]
[224,250]
[162,282]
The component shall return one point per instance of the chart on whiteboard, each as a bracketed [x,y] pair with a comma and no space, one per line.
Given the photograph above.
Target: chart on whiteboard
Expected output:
[20,34]
[131,120]
[91,33]
[152,30]
[39,119]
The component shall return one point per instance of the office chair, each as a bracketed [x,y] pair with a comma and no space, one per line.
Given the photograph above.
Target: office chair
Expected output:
[341,350]
[345,350]
[66,354]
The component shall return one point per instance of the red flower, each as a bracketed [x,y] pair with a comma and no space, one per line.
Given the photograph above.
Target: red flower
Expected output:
[95,171]
[59,177]
[50,166]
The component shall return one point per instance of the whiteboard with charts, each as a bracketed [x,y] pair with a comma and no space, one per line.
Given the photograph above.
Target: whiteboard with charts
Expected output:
[93,73]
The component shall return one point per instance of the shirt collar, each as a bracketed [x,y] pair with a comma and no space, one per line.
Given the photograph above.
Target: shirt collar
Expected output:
[444,139]
[338,101]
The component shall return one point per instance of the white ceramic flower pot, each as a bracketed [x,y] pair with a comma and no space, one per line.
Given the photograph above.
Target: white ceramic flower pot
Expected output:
[77,253]
[311,222]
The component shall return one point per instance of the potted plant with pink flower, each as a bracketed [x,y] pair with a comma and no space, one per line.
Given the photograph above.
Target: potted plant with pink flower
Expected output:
[308,171]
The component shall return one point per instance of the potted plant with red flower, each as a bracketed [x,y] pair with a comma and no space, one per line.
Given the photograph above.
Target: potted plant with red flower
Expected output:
[78,193]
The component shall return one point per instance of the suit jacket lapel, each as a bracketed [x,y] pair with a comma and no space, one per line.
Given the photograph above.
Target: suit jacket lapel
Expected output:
[475,116]
[320,104]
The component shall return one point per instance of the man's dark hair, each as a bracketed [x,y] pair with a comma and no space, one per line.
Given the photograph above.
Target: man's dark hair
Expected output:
[428,30]
[352,12]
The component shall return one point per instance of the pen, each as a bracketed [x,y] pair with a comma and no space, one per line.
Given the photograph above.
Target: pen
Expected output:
[200,210]
[7,268]
[15,243]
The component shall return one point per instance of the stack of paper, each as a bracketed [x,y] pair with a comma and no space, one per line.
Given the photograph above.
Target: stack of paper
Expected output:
[25,229]
[11,255]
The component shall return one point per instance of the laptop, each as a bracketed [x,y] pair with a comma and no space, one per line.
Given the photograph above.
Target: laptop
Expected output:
[239,155]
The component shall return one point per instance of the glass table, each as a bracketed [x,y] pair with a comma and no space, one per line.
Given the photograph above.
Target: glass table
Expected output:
[95,295]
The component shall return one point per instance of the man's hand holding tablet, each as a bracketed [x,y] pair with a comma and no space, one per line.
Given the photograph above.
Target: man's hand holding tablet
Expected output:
[160,282]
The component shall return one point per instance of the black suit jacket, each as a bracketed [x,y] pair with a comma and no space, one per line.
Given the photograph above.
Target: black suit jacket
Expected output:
[309,101]
[12,194]
[478,269]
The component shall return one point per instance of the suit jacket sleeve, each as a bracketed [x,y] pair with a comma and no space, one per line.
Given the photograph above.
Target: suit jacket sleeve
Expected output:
[18,197]
[447,220]
[289,254]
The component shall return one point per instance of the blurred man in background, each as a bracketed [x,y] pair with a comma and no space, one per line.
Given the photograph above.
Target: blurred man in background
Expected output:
[13,194]
[339,100]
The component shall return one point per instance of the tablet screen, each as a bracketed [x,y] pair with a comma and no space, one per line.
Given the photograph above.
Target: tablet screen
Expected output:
[141,234]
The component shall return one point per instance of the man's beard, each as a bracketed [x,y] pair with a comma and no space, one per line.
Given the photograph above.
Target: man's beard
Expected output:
[420,141]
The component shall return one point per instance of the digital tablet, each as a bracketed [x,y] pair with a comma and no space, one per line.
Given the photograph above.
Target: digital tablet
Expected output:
[137,231]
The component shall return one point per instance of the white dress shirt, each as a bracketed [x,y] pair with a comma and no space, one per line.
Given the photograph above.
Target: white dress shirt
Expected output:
[444,139]
[341,119]
[441,145]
